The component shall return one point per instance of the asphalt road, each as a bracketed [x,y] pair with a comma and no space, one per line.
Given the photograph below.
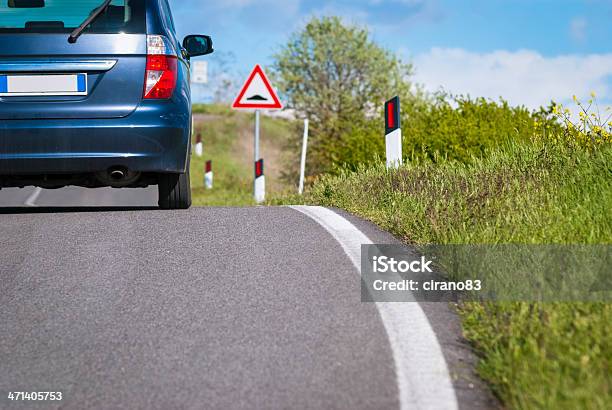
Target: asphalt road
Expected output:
[119,305]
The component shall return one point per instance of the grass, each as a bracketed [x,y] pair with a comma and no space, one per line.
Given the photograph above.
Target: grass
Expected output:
[213,109]
[521,194]
[549,356]
[227,138]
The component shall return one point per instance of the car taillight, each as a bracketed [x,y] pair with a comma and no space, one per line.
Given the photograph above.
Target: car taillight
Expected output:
[162,69]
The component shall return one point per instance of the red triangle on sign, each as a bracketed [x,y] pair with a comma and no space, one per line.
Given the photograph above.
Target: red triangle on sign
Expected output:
[257,93]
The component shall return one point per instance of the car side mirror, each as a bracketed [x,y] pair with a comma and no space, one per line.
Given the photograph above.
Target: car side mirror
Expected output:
[197,45]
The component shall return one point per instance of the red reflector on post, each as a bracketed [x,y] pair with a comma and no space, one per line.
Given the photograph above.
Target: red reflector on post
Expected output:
[208,166]
[392,115]
[259,168]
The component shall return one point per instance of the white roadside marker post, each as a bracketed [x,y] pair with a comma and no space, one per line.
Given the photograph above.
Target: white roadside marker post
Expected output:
[199,147]
[393,133]
[208,175]
[259,187]
[303,162]
[260,182]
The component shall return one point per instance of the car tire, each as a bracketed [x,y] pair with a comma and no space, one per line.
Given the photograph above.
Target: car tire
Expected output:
[174,191]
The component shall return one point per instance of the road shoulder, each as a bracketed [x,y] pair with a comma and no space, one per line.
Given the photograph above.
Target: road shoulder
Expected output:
[471,391]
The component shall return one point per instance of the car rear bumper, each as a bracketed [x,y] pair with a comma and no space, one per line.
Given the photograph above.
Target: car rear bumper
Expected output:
[154,138]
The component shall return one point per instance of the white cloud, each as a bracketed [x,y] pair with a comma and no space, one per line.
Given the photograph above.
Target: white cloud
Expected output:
[523,77]
[578,27]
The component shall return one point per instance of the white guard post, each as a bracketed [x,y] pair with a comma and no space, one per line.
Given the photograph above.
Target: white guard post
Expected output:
[393,133]
[303,161]
[259,188]
[199,147]
[260,182]
[208,175]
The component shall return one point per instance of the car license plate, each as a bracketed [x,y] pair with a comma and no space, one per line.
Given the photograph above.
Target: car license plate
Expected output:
[42,85]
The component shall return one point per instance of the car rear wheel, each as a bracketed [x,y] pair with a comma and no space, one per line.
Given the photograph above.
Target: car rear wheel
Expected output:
[174,191]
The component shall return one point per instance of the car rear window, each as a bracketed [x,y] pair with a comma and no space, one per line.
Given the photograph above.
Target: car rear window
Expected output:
[63,16]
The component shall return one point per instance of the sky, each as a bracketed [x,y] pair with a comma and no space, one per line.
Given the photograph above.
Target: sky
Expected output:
[527,51]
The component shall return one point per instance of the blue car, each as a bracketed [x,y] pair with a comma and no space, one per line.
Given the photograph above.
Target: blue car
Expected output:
[96,93]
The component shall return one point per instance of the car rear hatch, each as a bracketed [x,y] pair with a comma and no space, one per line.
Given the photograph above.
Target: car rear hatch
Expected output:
[43,76]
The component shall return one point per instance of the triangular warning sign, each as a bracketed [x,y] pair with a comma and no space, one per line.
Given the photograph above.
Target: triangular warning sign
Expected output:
[257,93]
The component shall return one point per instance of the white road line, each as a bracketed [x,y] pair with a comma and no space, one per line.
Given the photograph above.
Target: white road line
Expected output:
[31,201]
[422,374]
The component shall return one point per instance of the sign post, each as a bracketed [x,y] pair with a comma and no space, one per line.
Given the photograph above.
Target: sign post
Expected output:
[257,94]
[259,187]
[256,147]
[393,133]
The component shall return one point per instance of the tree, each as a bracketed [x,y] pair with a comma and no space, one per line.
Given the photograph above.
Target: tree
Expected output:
[335,75]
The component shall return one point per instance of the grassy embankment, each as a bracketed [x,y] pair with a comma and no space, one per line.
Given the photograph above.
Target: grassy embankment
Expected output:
[228,138]
[552,356]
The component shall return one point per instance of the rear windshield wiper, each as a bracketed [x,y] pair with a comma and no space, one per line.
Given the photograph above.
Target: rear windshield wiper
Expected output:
[92,17]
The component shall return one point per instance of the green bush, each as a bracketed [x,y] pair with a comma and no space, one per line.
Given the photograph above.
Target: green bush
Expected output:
[443,128]
[460,128]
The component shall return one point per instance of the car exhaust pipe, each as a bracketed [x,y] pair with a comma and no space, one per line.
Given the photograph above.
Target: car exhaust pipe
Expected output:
[116,174]
[117,177]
